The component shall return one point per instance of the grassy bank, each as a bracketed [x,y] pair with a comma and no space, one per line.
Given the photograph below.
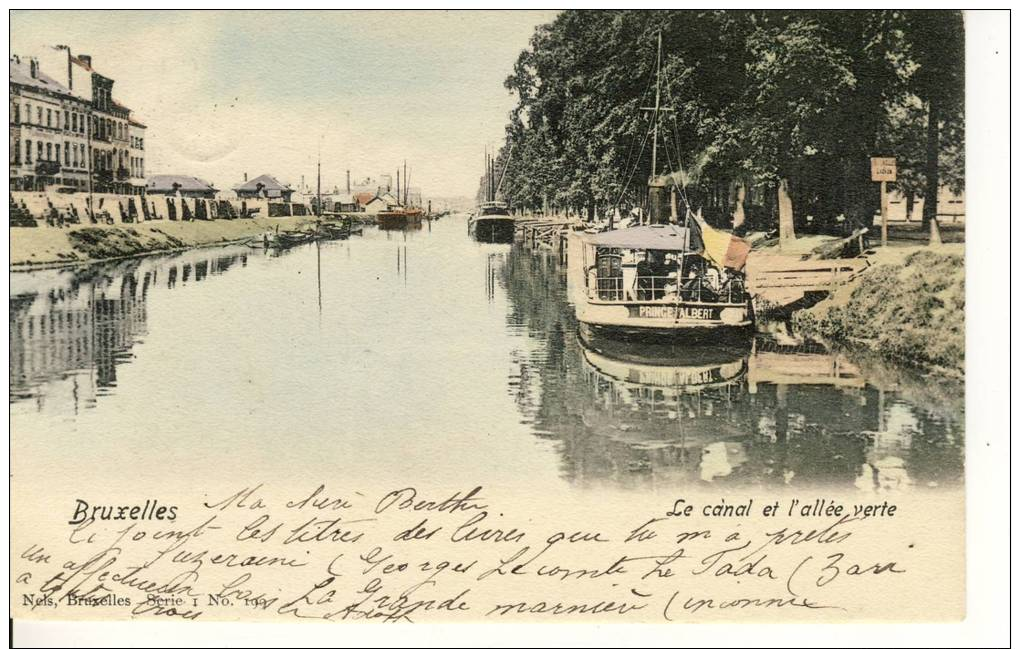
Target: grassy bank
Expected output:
[908,307]
[47,246]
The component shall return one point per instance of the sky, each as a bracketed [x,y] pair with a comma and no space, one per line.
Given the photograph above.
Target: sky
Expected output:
[228,93]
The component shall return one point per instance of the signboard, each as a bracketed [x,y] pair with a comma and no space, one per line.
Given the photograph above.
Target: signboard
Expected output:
[673,312]
[883,170]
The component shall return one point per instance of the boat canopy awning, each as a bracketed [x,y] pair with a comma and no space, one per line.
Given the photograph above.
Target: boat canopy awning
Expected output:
[672,238]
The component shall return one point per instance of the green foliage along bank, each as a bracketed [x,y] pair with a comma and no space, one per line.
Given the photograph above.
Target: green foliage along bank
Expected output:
[911,312]
[755,98]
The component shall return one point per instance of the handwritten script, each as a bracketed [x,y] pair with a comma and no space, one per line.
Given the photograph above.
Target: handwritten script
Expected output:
[404,554]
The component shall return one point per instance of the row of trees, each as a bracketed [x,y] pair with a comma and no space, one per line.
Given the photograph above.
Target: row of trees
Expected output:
[758,99]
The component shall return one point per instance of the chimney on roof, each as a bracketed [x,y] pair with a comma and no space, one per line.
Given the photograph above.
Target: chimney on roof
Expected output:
[33,68]
[86,59]
[246,176]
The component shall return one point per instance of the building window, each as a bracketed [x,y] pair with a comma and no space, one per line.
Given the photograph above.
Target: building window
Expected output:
[56,150]
[49,151]
[74,158]
[17,152]
[28,152]
[67,120]
[17,113]
[67,156]
[38,151]
[49,115]
[38,115]
[81,147]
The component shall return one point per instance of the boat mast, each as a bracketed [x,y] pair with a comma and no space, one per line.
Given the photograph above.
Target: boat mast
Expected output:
[655,114]
[318,184]
[502,175]
[656,110]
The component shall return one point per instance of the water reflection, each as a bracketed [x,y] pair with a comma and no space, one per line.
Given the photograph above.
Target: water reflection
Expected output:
[71,328]
[466,362]
[779,411]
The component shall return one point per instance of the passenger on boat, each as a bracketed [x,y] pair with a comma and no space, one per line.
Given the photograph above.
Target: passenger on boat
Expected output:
[652,274]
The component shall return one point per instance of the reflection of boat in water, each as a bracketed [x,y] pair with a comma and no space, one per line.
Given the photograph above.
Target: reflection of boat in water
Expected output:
[652,382]
[493,223]
[679,367]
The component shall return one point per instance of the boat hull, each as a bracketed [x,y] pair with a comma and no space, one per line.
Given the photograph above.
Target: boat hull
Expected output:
[651,322]
[720,334]
[675,351]
[493,230]
[398,220]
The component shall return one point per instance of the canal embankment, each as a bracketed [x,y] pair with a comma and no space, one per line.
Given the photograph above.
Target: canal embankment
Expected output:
[908,306]
[44,246]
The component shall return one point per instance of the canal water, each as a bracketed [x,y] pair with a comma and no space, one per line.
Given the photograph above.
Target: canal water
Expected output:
[414,354]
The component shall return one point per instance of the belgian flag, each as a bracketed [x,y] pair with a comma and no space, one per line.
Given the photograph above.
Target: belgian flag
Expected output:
[723,249]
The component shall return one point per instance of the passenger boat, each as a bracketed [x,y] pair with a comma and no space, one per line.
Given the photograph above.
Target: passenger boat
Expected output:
[658,281]
[675,277]
[493,223]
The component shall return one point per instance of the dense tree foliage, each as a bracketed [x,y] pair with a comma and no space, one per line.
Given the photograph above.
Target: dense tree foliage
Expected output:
[754,98]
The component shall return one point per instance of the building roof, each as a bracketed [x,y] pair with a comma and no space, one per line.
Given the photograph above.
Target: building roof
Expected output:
[364,198]
[268,184]
[165,183]
[134,122]
[21,73]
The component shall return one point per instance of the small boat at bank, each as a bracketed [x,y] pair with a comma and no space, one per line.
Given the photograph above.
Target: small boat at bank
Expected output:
[398,217]
[280,240]
[493,223]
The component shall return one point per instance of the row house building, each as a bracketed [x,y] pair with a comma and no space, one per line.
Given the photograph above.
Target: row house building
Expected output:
[48,131]
[67,130]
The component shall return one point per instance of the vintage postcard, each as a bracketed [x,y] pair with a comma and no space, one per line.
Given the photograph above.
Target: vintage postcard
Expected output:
[591,316]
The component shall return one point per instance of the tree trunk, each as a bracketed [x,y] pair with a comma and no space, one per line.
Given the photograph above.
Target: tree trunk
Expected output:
[931,167]
[738,206]
[786,232]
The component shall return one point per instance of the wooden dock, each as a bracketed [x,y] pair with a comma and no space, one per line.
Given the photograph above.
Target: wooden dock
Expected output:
[545,233]
[782,280]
